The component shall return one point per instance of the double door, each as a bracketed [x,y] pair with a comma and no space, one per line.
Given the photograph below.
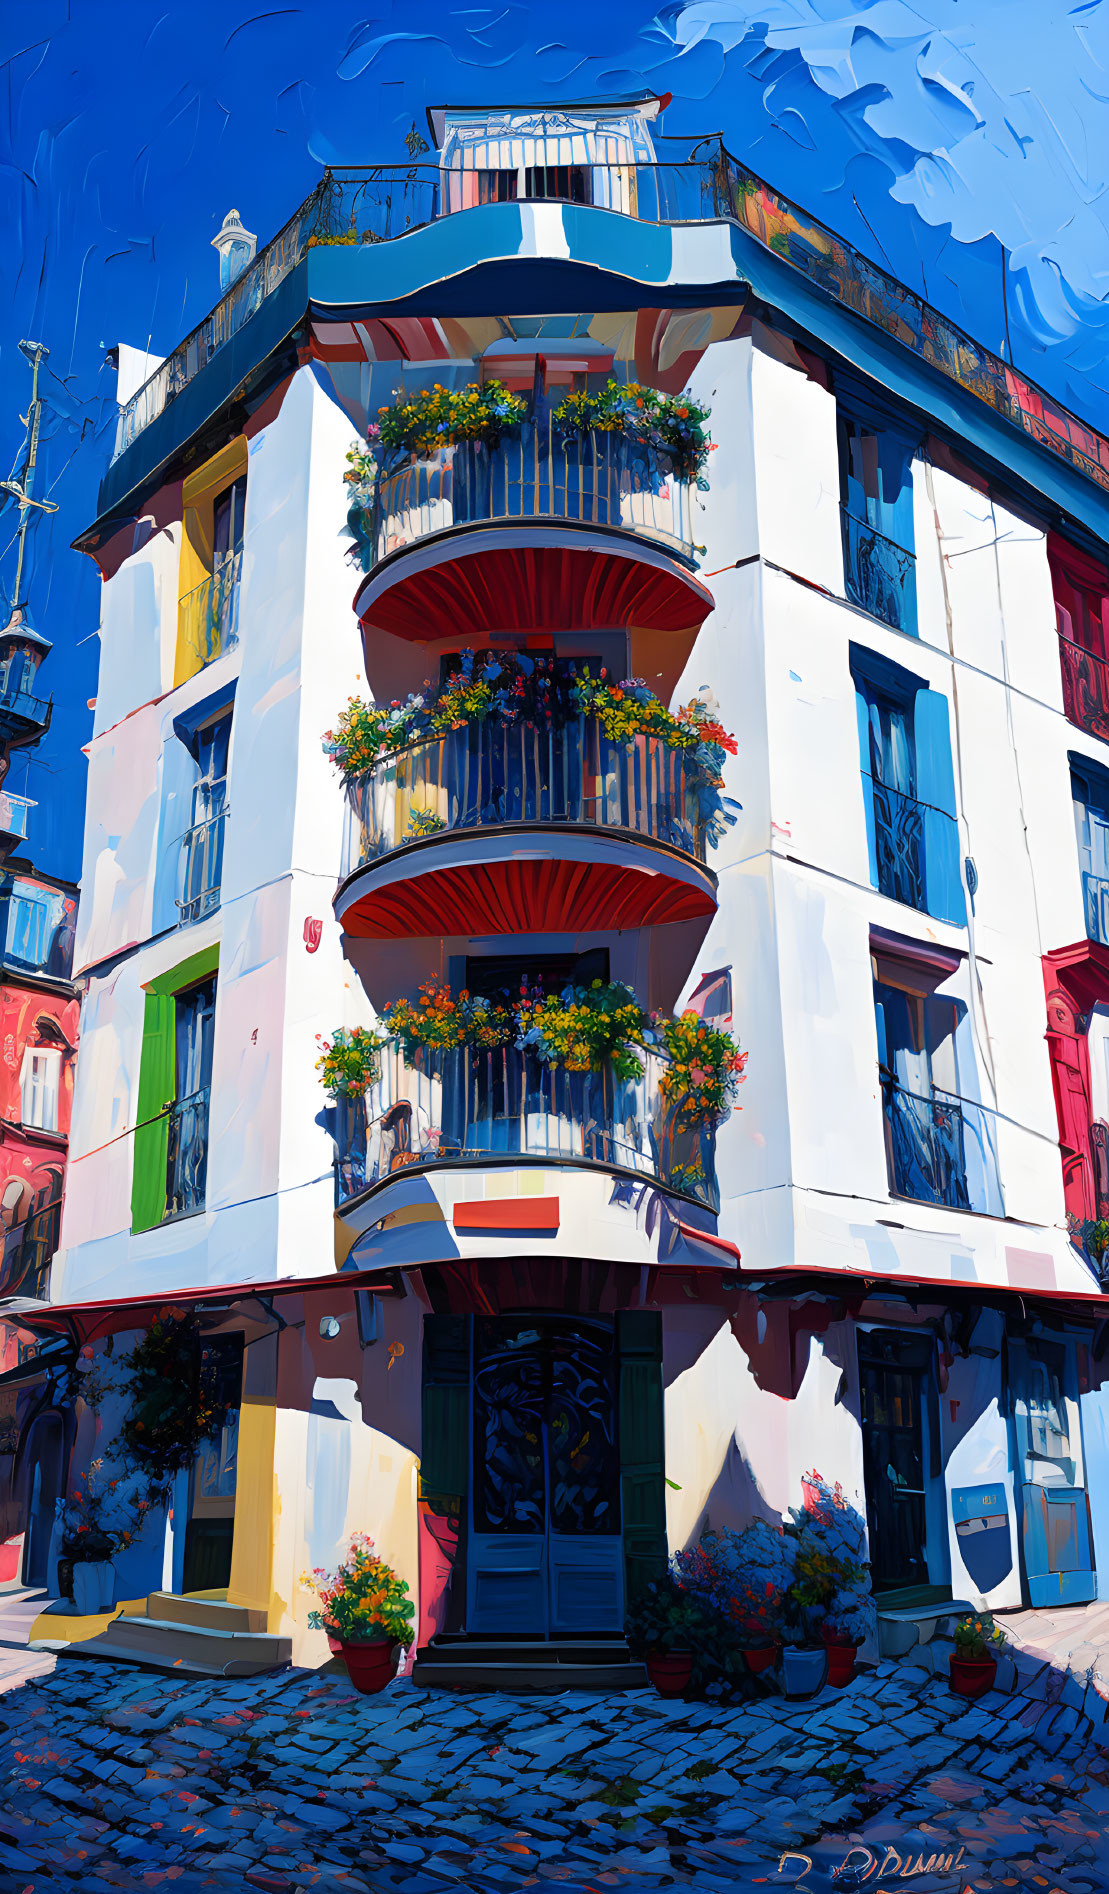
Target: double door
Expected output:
[1050,1472]
[545,1547]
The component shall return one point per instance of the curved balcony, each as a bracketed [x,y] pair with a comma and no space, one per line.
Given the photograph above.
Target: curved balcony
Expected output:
[462,1106]
[542,531]
[495,829]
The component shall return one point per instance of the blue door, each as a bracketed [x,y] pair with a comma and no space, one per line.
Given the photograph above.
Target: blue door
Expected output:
[1050,1472]
[545,1550]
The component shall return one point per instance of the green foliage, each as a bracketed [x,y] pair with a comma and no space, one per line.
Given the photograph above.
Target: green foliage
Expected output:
[363,1600]
[349,1061]
[668,1618]
[977,1636]
[174,1404]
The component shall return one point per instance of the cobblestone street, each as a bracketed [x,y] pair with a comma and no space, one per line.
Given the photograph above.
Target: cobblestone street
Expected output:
[121,1778]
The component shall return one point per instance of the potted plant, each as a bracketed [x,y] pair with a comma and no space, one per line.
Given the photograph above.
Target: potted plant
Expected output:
[87,1541]
[742,1577]
[973,1663]
[366,1611]
[666,1628]
[829,1609]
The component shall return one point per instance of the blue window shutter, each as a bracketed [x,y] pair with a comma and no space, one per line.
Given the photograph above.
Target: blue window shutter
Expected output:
[862,713]
[935,778]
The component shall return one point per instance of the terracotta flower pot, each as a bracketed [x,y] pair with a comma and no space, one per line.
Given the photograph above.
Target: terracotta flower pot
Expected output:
[760,1657]
[841,1663]
[371,1665]
[670,1671]
[972,1676]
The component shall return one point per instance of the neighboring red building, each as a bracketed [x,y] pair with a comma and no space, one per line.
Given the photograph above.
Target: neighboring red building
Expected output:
[39,1013]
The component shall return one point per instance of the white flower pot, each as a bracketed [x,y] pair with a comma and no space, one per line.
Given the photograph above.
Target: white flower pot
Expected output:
[94,1582]
[803,1672]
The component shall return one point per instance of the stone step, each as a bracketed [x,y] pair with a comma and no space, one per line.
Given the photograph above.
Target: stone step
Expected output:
[522,1674]
[901,1628]
[461,1647]
[206,1612]
[162,1644]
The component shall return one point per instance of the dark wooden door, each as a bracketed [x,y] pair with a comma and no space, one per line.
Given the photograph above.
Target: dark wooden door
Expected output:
[893,1380]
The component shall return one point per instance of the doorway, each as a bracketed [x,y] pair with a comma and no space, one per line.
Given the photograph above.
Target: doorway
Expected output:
[45,1460]
[895,1385]
[546,1553]
[1050,1471]
[213,1476]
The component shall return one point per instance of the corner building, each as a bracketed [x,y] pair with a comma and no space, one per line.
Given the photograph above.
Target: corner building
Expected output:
[524,1337]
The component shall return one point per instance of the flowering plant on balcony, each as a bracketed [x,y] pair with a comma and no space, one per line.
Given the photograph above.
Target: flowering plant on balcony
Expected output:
[583,1028]
[363,732]
[674,424]
[705,1072]
[438,417]
[362,466]
[348,1063]
[363,1600]
[440,1019]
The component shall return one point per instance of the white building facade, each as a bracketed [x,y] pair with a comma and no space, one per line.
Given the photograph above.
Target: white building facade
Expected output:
[886,1266]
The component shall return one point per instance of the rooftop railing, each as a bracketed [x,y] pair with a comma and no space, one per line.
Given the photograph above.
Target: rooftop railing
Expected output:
[378,204]
[462,1104]
[599,478]
[942,1150]
[487,775]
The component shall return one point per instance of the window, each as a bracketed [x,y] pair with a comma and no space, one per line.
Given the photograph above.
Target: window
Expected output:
[202,847]
[569,182]
[1081,589]
[38,1087]
[228,513]
[214,502]
[169,1177]
[908,788]
[940,1143]
[1090,790]
[28,921]
[876,494]
[187,1159]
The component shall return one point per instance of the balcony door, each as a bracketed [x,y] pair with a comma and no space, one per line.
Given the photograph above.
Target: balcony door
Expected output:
[546,1557]
[925,1130]
[202,855]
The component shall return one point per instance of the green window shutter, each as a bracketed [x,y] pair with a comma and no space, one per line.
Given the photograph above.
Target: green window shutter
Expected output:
[642,1449]
[445,1442]
[157,1077]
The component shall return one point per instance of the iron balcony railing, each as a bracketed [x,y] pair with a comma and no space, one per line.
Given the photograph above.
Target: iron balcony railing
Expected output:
[1095,896]
[209,614]
[942,1150]
[486,775]
[29,1249]
[1085,688]
[879,574]
[444,1107]
[202,867]
[600,478]
[898,844]
[13,814]
[187,1158]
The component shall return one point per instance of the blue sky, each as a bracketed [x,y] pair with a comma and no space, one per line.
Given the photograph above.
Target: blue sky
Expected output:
[964,144]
